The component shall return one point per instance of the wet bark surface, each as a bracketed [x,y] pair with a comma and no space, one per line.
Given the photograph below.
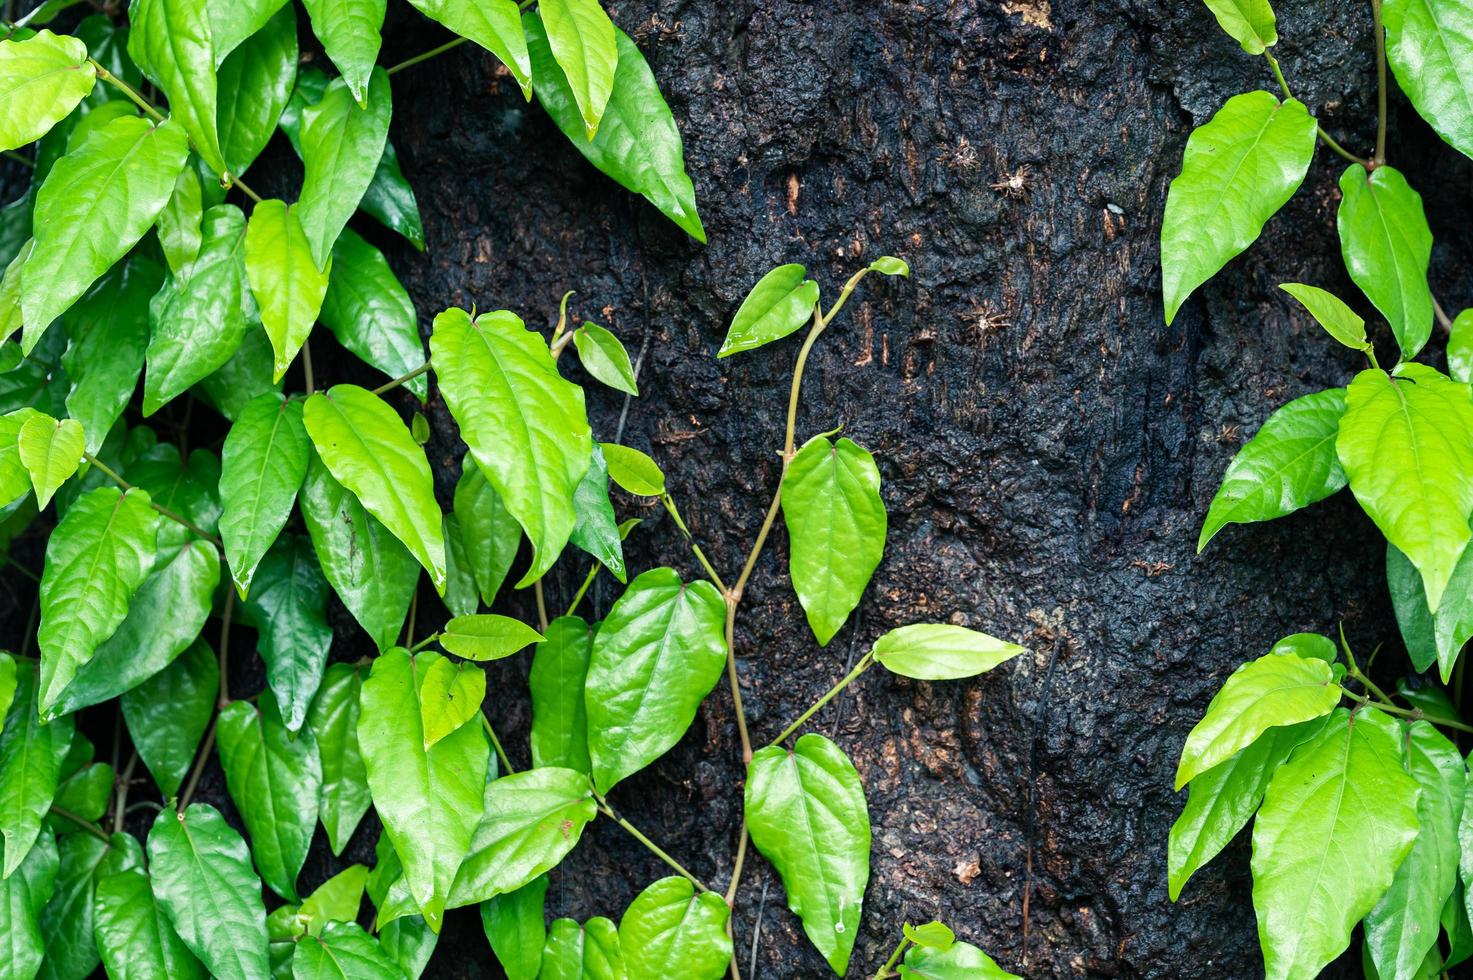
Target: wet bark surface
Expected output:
[1048,446]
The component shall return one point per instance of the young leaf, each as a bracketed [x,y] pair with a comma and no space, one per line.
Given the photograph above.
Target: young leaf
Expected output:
[1408,469]
[1386,245]
[597,532]
[495,25]
[172,42]
[23,894]
[632,470]
[96,559]
[275,779]
[1337,819]
[605,358]
[781,302]
[516,929]
[335,900]
[349,32]
[669,930]
[370,312]
[167,714]
[941,652]
[263,462]
[450,695]
[429,800]
[1274,690]
[961,961]
[581,37]
[255,82]
[285,279]
[51,452]
[836,525]
[660,651]
[582,952]
[889,265]
[1330,312]
[490,534]
[133,934]
[637,144]
[178,223]
[93,207]
[1426,45]
[806,812]
[334,719]
[559,718]
[202,878]
[1249,22]
[932,935]
[31,753]
[526,427]
[1239,169]
[43,78]
[1290,463]
[341,146]
[487,637]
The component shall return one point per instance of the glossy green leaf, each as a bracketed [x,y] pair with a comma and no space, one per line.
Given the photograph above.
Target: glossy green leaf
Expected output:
[487,637]
[490,534]
[31,754]
[516,929]
[962,961]
[246,375]
[343,952]
[589,951]
[461,597]
[350,34]
[172,42]
[1290,463]
[669,930]
[889,265]
[450,695]
[202,878]
[167,715]
[638,144]
[14,480]
[806,812]
[11,317]
[941,652]
[67,919]
[370,312]
[429,800]
[581,37]
[285,279]
[597,531]
[559,718]
[341,146]
[288,608]
[1240,167]
[605,358]
[781,302]
[23,894]
[495,25]
[1338,818]
[1460,347]
[1330,312]
[632,470]
[275,779]
[263,462]
[1249,22]
[836,525]
[255,81]
[1431,638]
[409,939]
[658,654]
[336,900]
[133,935]
[1427,45]
[369,450]
[334,719]
[94,205]
[179,221]
[8,676]
[1408,468]
[42,78]
[85,793]
[932,935]
[1274,690]
[51,451]
[526,427]
[1386,245]
[231,24]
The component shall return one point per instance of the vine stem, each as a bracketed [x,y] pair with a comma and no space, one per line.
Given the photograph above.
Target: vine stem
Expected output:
[307,372]
[120,807]
[1380,158]
[849,678]
[19,158]
[496,744]
[1415,714]
[888,969]
[112,474]
[651,846]
[542,619]
[85,824]
[1325,137]
[221,701]
[426,55]
[674,511]
[402,379]
[583,589]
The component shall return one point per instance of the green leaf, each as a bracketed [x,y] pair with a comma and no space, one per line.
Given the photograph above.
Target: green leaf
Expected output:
[342,952]
[263,462]
[14,480]
[1337,820]
[51,452]
[806,812]
[487,637]
[461,597]
[559,718]
[490,534]
[632,470]
[67,919]
[197,326]
[1460,347]
[495,25]
[285,279]
[836,525]
[941,652]
[11,317]
[889,265]
[1249,22]
[349,32]
[85,793]
[605,358]
[246,375]
[963,961]
[232,24]
[167,714]
[368,449]
[1290,463]
[31,753]
[582,952]
[638,144]
[1274,690]
[289,609]
[370,312]
[94,205]
[1330,312]
[1240,167]
[516,929]
[581,38]
[172,42]
[932,935]
[526,427]
[1403,926]
[133,934]
[178,223]
[341,146]
[335,900]
[597,532]
[7,684]
[364,563]
[96,559]
[1431,637]
[334,719]
[1223,799]
[450,695]
[202,879]
[22,897]
[275,779]
[43,78]
[1407,467]
[1386,245]
[660,651]
[669,930]
[255,81]
[429,800]
[1427,44]
[780,303]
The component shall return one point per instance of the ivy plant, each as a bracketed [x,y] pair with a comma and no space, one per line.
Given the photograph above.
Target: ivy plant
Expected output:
[141,253]
[1359,792]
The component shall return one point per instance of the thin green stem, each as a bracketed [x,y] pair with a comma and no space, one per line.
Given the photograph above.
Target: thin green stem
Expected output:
[424,643]
[120,805]
[674,512]
[205,749]
[506,765]
[426,55]
[82,822]
[413,614]
[849,678]
[19,158]
[402,379]
[736,868]
[583,589]
[1328,140]
[651,846]
[307,372]
[112,474]
[889,967]
[1416,714]
[1273,64]
[732,600]
[542,619]
[1380,158]
[229,613]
